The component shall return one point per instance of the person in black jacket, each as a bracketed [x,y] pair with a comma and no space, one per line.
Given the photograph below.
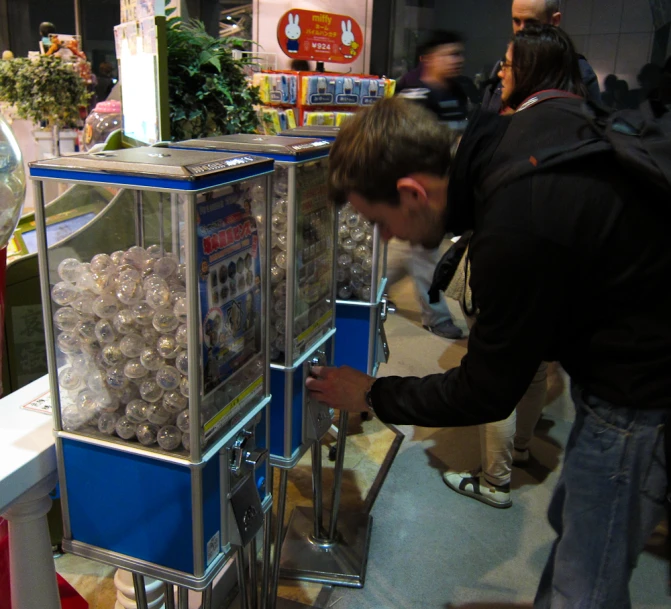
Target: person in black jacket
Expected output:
[536,12]
[567,265]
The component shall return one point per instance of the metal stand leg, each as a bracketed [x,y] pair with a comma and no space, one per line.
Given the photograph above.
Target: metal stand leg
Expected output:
[140,592]
[265,569]
[317,487]
[183,598]
[253,576]
[279,523]
[340,559]
[169,596]
[242,577]
[337,474]
[207,598]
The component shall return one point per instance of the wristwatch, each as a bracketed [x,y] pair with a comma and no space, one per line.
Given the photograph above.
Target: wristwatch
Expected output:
[368,396]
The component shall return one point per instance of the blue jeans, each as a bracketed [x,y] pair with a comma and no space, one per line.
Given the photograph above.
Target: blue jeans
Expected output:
[609,499]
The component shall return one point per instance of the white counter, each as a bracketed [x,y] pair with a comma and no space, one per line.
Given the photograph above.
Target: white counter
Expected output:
[27,476]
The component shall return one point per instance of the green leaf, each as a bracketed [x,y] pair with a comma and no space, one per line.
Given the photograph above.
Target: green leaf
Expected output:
[216,62]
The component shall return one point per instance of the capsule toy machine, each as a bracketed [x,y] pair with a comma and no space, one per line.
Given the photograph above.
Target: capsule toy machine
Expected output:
[158,349]
[302,277]
[361,305]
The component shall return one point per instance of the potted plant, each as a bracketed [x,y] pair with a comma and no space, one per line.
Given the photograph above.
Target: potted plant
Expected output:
[209,92]
[45,90]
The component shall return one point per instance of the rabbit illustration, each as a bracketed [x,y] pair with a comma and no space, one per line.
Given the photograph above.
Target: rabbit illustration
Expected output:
[293,32]
[347,37]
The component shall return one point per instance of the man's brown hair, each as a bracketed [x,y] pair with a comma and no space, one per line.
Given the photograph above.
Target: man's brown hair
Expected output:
[384,143]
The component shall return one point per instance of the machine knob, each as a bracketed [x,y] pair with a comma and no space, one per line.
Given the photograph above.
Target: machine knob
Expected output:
[238,452]
[254,458]
[318,359]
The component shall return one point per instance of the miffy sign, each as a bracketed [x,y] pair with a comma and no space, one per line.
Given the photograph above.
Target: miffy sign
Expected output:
[317,36]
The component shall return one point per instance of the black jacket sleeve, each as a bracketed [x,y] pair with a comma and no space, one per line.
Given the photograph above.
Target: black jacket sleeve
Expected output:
[517,286]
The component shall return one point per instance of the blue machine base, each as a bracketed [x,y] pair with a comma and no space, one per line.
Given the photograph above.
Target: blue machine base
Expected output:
[138,506]
[354,329]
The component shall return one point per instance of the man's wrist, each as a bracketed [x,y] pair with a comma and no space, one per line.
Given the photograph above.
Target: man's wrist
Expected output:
[368,396]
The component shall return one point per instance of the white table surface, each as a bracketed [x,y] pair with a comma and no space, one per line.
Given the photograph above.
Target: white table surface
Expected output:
[27,452]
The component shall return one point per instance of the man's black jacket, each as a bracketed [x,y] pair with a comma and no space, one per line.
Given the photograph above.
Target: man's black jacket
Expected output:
[572,265]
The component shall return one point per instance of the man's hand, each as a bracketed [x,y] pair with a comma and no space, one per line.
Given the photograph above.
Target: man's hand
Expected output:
[343,388]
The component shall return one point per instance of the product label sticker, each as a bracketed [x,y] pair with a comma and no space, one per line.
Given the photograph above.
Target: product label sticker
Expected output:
[347,100]
[230,283]
[213,547]
[321,99]
[41,404]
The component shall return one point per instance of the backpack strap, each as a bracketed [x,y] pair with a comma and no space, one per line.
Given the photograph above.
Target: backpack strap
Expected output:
[543,160]
[545,95]
[548,157]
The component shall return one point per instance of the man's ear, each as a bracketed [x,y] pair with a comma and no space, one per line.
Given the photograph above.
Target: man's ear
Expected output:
[411,192]
[556,19]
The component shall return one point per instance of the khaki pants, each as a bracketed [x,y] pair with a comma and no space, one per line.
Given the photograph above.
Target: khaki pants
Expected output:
[498,439]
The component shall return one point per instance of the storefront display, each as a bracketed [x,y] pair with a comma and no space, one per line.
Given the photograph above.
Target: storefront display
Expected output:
[303,98]
[158,356]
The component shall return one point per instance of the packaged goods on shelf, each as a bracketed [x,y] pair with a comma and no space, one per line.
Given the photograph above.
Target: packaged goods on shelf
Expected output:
[275,120]
[277,88]
[325,118]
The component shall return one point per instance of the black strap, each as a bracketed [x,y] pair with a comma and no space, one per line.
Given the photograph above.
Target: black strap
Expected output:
[545,159]
[667,453]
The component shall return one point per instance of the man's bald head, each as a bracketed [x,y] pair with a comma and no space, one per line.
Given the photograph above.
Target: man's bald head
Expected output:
[526,12]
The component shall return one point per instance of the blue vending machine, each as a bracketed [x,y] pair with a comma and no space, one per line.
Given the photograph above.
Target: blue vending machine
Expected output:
[302,330]
[158,352]
[361,306]
[302,262]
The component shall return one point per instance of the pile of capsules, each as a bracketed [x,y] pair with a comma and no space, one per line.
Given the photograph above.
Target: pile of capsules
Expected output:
[355,255]
[121,342]
[314,271]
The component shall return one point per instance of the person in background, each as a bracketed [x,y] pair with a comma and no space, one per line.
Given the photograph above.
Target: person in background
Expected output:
[434,85]
[435,81]
[300,65]
[104,83]
[623,99]
[608,93]
[533,63]
[537,12]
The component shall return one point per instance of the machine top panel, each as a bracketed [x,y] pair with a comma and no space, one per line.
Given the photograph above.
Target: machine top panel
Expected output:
[156,162]
[261,144]
[315,131]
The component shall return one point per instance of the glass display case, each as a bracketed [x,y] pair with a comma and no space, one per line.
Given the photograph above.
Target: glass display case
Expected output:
[302,263]
[158,349]
[361,281]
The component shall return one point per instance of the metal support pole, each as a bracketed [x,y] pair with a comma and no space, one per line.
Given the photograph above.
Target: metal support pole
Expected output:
[242,577]
[253,575]
[140,591]
[337,473]
[207,598]
[281,506]
[183,598]
[317,488]
[267,541]
[169,593]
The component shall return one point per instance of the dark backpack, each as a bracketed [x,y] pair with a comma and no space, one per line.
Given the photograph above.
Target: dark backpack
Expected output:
[640,140]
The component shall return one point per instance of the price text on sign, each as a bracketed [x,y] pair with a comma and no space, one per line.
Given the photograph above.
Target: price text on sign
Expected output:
[318,36]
